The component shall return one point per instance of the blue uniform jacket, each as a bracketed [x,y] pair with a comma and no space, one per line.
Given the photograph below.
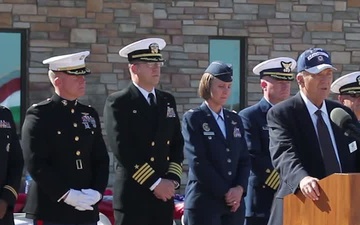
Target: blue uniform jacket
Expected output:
[216,164]
[263,180]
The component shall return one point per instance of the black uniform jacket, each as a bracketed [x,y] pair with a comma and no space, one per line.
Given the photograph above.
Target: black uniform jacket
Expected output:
[147,146]
[11,163]
[63,149]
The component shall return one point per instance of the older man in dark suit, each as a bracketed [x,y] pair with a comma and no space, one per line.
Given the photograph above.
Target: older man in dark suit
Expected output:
[275,81]
[144,134]
[305,145]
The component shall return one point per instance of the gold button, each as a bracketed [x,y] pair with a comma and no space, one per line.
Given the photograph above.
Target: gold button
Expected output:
[78,153]
[267,171]
[153,143]
[72,110]
[8,136]
[76,138]
[92,132]
[229,160]
[59,132]
[75,124]
[167,158]
[228,150]
[263,186]
[168,142]
[229,173]
[152,159]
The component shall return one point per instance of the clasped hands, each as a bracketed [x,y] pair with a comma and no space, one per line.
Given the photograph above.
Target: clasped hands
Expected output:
[233,197]
[165,190]
[82,199]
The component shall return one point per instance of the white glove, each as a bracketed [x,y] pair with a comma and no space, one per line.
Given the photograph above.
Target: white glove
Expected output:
[95,195]
[82,207]
[75,197]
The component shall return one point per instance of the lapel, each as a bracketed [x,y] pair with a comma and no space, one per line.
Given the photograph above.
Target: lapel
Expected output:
[303,117]
[212,122]
[140,103]
[229,126]
[338,135]
[162,104]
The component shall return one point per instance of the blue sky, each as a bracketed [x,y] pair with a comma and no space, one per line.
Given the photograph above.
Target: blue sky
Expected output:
[10,52]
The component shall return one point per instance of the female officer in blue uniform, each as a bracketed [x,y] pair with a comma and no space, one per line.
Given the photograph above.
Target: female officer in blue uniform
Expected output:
[218,157]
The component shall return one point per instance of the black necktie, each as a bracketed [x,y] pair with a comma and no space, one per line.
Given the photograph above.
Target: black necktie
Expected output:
[152,99]
[327,149]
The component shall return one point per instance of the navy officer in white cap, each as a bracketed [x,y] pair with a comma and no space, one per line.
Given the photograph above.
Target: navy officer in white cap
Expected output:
[64,149]
[348,89]
[216,150]
[275,80]
[144,134]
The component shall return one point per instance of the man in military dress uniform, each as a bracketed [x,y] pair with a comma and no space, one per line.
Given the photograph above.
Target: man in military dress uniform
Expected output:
[64,150]
[275,80]
[144,134]
[11,166]
[348,89]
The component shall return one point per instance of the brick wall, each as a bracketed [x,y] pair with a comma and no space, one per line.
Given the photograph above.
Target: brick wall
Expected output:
[273,28]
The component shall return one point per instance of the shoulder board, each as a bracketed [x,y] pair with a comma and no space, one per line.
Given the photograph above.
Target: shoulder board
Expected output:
[45,102]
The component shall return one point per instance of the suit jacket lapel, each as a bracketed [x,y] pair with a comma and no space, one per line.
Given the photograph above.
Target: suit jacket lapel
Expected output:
[212,122]
[161,108]
[304,117]
[140,102]
[339,140]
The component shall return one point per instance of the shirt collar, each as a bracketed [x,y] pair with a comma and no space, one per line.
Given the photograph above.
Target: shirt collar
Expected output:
[216,115]
[144,92]
[311,107]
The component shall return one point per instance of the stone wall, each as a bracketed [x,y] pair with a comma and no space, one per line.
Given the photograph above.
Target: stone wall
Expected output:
[272,27]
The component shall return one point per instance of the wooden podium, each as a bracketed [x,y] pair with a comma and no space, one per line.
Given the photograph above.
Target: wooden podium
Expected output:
[339,203]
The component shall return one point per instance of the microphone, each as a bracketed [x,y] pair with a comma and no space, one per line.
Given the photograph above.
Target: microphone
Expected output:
[343,120]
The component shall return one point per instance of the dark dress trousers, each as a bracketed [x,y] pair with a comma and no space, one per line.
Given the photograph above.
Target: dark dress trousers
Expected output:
[11,164]
[147,145]
[263,180]
[216,164]
[295,150]
[63,149]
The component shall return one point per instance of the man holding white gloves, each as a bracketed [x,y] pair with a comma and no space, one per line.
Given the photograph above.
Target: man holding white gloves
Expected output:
[64,150]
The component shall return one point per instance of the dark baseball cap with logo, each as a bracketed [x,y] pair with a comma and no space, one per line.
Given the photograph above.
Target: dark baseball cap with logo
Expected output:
[314,60]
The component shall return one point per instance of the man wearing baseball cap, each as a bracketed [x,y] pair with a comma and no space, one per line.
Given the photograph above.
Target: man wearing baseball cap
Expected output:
[305,145]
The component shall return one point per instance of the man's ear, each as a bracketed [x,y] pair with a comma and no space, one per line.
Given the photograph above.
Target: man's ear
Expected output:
[263,84]
[57,81]
[300,79]
[133,68]
[341,99]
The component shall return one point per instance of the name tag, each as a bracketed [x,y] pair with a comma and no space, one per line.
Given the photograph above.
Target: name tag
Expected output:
[207,133]
[352,147]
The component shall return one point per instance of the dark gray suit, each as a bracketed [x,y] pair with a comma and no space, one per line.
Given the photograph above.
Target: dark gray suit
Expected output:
[295,150]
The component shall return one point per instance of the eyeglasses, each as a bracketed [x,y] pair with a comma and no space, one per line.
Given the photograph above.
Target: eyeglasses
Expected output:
[354,95]
[152,64]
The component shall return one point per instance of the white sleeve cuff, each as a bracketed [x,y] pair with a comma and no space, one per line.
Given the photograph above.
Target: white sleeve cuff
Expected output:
[155,184]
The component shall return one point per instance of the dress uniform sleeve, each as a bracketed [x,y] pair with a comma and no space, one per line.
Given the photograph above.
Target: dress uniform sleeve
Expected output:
[15,166]
[176,151]
[195,152]
[261,164]
[243,169]
[117,127]
[100,158]
[282,150]
[37,151]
